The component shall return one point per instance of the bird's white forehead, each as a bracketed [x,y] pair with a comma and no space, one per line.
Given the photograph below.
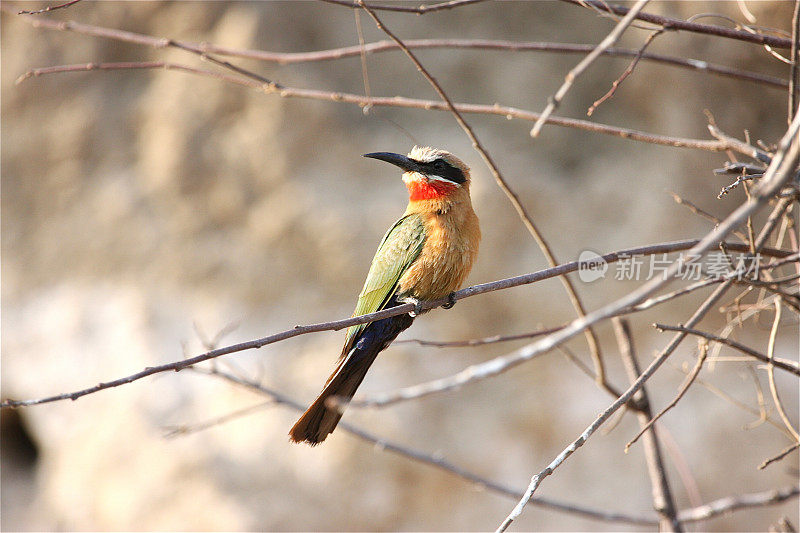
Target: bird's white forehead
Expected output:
[426,154]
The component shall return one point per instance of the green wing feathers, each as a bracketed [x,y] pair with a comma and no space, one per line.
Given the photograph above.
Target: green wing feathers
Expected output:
[399,248]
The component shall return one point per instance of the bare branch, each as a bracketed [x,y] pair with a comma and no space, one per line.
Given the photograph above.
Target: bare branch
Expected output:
[771,372]
[681,392]
[780,456]
[700,212]
[784,364]
[628,71]
[386,313]
[578,69]
[421,10]
[682,25]
[663,502]
[49,8]
[128,65]
[480,342]
[186,429]
[733,503]
[737,145]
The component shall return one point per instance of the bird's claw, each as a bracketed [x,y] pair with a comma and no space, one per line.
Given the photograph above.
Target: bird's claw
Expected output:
[451,301]
[417,305]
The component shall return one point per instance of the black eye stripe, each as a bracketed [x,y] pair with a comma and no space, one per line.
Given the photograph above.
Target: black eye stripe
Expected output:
[442,168]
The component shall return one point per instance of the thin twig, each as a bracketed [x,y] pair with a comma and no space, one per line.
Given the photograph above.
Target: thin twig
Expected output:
[421,10]
[738,181]
[773,219]
[628,71]
[784,364]
[658,300]
[780,456]
[737,145]
[733,401]
[129,65]
[762,405]
[480,342]
[771,371]
[682,25]
[702,213]
[578,69]
[663,502]
[363,58]
[187,429]
[527,220]
[49,8]
[701,358]
[732,503]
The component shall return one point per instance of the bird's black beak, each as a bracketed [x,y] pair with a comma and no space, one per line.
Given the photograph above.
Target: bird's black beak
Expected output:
[406,163]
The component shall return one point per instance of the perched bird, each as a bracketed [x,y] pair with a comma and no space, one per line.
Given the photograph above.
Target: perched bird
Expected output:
[426,255]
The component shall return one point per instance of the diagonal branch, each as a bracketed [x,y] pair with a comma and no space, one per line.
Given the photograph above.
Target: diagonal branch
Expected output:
[579,69]
[683,25]
[647,424]
[49,8]
[663,502]
[421,10]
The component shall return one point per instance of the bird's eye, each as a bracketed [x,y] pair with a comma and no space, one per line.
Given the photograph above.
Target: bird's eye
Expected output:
[439,164]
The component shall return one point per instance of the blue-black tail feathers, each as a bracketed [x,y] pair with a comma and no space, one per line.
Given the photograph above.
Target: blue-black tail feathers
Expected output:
[320,419]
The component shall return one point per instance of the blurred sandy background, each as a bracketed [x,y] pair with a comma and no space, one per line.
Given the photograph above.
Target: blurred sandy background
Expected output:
[139,207]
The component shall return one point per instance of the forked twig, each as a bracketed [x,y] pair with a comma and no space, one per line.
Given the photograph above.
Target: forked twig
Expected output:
[578,69]
[628,71]
[701,358]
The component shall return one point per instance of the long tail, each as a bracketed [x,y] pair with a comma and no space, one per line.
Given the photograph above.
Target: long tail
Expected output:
[319,419]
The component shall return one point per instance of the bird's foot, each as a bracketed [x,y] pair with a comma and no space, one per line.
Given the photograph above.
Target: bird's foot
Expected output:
[451,301]
[417,305]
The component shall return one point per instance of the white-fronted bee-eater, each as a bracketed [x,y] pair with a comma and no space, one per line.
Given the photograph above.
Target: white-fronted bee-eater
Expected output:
[426,255]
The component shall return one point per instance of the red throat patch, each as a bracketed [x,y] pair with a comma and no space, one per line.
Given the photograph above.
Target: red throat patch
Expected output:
[429,190]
